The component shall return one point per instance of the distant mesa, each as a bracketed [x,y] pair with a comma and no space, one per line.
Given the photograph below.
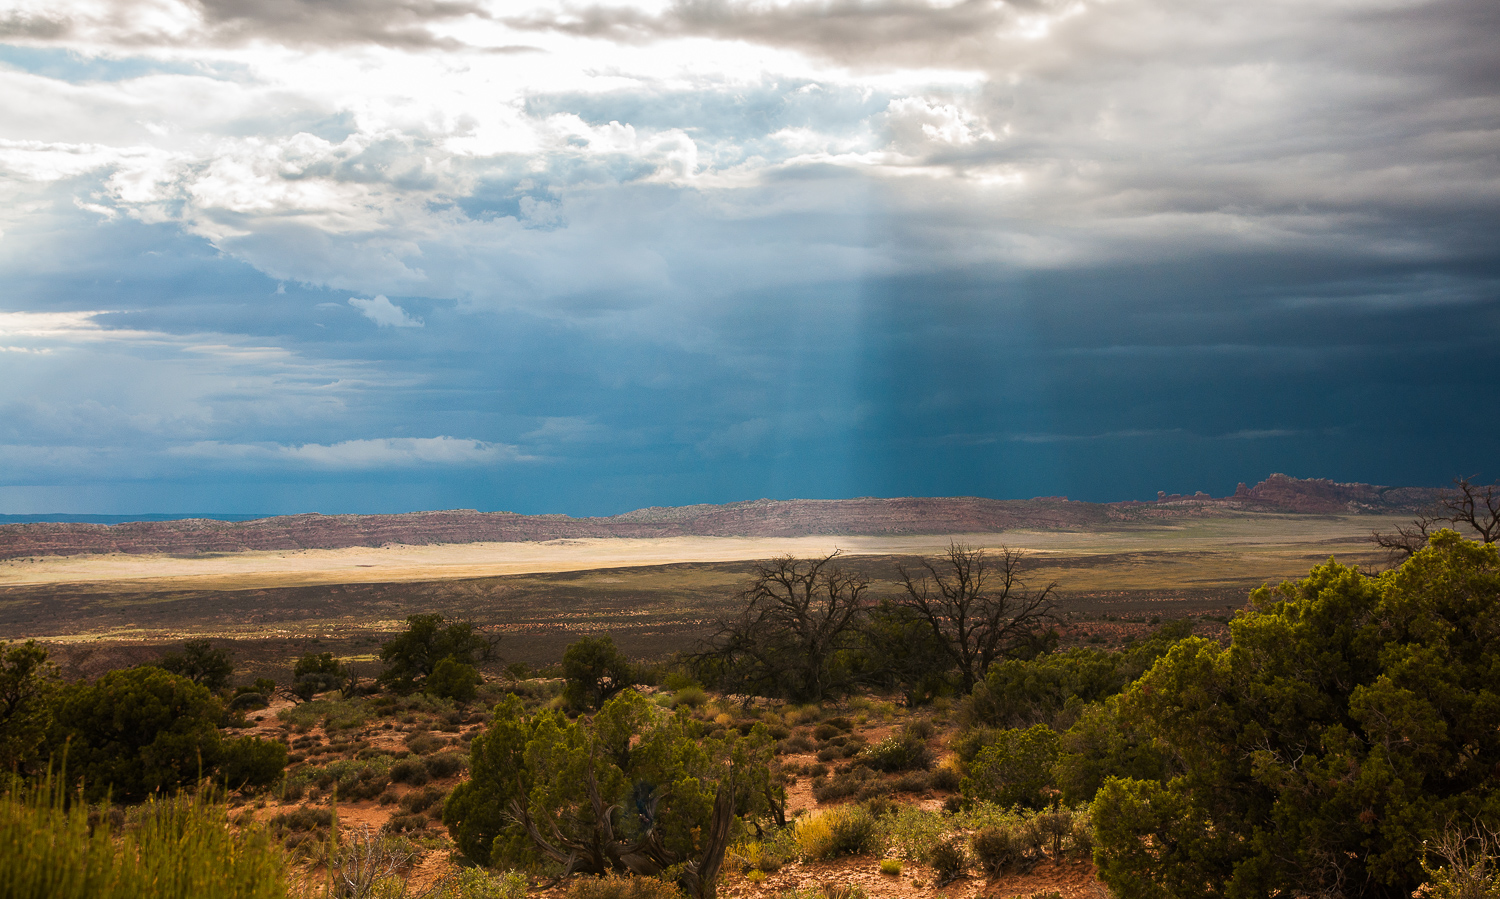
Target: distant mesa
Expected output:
[759,518]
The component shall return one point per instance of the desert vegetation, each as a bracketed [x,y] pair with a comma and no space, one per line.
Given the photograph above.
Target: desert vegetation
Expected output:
[1337,738]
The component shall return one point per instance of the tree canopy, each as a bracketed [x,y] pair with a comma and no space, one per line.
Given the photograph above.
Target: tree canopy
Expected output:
[799,616]
[1349,719]
[137,731]
[27,683]
[411,656]
[200,663]
[632,790]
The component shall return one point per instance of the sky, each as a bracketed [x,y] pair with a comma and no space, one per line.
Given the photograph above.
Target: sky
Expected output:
[277,256]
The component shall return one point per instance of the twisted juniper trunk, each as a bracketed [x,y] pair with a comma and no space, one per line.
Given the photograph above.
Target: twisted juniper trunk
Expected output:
[702,880]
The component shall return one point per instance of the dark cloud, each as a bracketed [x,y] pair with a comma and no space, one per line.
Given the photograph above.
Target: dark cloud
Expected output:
[19,25]
[897,31]
[389,23]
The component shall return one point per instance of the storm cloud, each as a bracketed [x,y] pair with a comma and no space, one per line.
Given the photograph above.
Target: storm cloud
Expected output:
[587,257]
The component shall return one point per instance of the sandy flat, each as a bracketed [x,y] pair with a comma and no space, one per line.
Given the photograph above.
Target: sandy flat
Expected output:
[420,563]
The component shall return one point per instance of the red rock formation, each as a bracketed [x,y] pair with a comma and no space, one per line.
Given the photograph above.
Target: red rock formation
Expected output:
[760,518]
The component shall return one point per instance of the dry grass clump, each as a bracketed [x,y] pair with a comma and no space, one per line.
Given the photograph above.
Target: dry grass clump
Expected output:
[165,849]
[614,887]
[848,830]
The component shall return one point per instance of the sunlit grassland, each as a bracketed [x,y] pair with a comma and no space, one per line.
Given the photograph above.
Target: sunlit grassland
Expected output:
[1186,566]
[180,847]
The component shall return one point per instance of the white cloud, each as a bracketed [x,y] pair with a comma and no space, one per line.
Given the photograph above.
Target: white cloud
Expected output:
[354,455]
[384,313]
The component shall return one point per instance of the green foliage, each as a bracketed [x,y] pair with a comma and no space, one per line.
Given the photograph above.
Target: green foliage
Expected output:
[593,671]
[200,663]
[333,714]
[179,848]
[452,679]
[250,763]
[617,887]
[412,656]
[477,883]
[949,860]
[1015,769]
[1099,745]
[1054,688]
[1347,720]
[137,732]
[317,673]
[897,649]
[27,684]
[903,751]
[846,830]
[253,696]
[544,787]
[1462,864]
[349,779]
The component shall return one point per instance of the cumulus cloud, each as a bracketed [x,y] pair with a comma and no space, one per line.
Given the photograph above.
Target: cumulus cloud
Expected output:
[384,313]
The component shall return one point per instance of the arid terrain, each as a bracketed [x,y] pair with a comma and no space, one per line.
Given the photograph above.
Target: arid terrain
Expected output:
[1116,568]
[273,591]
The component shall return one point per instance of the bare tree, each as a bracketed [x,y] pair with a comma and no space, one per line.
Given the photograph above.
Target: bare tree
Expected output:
[1467,506]
[799,613]
[978,607]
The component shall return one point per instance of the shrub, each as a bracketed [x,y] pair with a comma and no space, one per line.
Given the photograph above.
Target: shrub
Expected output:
[849,830]
[453,679]
[826,731]
[423,743]
[949,860]
[138,731]
[1388,681]
[406,823]
[27,681]
[795,744]
[691,697]
[911,782]
[301,820]
[844,784]
[1001,848]
[758,855]
[446,764]
[333,714]
[891,867]
[477,883]
[411,657]
[903,752]
[251,764]
[200,663]
[1015,769]
[410,771]
[615,887]
[421,800]
[910,832]
[593,671]
[543,773]
[945,778]
[317,673]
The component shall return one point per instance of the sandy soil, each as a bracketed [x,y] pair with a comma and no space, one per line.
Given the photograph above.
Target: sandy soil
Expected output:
[251,570]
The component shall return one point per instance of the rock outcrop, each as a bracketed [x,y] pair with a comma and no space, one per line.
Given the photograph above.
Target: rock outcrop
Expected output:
[760,518]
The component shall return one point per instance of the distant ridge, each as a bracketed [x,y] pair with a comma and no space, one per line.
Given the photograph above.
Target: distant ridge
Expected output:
[758,518]
[122,519]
